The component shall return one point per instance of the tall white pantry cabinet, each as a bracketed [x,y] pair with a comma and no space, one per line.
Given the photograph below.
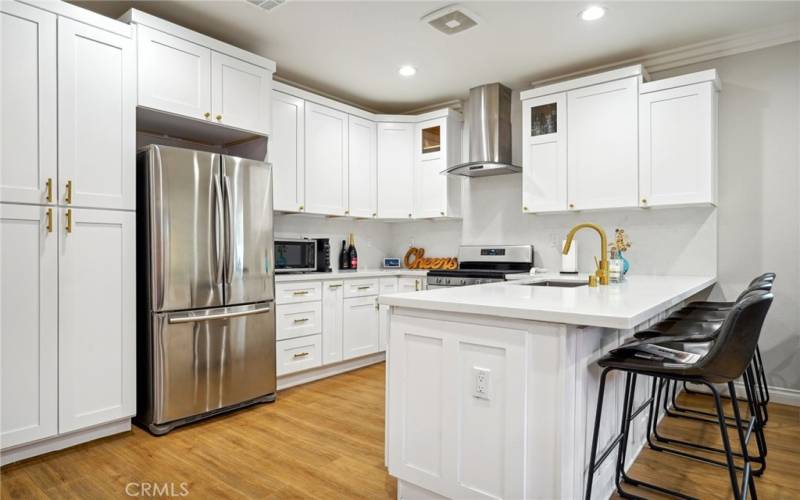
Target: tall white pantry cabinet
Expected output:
[67,227]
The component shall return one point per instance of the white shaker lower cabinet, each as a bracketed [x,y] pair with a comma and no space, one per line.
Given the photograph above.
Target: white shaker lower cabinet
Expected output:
[28,324]
[96,323]
[326,160]
[332,320]
[363,168]
[96,117]
[27,103]
[301,353]
[678,140]
[544,154]
[361,334]
[240,93]
[602,145]
[287,151]
[410,284]
[395,170]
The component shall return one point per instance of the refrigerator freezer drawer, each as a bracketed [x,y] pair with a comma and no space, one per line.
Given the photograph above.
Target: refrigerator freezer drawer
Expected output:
[299,354]
[211,359]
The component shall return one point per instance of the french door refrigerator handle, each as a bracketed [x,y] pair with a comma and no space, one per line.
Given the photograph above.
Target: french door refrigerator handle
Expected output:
[218,223]
[191,317]
[229,238]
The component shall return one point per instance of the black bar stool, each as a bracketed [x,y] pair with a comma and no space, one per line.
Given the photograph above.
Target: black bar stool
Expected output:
[726,359]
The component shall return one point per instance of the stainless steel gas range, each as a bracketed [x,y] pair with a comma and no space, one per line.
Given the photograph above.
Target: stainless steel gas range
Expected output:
[484,264]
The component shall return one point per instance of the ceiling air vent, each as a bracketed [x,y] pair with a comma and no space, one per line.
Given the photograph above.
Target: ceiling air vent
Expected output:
[267,4]
[452,19]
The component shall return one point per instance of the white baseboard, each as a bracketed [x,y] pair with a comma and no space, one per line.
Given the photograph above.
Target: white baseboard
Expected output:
[304,377]
[56,443]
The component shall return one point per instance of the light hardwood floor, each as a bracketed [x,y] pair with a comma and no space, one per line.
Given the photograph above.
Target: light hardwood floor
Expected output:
[325,440]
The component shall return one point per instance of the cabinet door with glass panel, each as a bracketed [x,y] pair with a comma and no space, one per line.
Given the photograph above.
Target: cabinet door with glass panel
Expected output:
[544,154]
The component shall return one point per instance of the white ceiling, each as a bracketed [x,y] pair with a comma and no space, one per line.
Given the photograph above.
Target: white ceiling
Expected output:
[353,49]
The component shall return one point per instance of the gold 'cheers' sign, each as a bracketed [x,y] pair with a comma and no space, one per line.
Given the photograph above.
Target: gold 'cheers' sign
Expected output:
[415,259]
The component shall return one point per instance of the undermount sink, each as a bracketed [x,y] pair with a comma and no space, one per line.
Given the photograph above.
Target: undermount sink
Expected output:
[559,284]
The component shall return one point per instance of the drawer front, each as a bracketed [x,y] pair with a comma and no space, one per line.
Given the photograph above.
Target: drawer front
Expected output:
[294,355]
[360,288]
[293,293]
[388,285]
[297,320]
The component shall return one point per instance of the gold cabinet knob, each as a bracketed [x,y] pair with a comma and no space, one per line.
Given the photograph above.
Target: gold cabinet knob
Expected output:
[644,201]
[219,118]
[374,214]
[300,208]
[409,215]
[524,209]
[571,205]
[347,212]
[207,114]
[442,212]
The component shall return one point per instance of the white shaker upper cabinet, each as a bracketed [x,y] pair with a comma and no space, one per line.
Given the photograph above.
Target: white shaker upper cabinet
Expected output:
[363,168]
[96,117]
[28,323]
[395,170]
[544,154]
[174,74]
[326,160]
[287,151]
[27,104]
[678,141]
[240,95]
[96,319]
[430,158]
[602,145]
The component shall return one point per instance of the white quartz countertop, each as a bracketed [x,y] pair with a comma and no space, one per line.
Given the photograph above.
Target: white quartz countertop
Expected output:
[343,275]
[623,305]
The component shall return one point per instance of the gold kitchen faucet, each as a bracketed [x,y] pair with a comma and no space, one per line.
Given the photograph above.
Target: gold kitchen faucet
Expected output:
[602,268]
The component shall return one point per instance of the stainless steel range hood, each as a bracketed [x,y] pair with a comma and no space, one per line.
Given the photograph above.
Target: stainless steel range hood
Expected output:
[489,133]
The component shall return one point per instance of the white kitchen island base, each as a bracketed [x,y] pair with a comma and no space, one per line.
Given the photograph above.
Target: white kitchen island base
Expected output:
[481,405]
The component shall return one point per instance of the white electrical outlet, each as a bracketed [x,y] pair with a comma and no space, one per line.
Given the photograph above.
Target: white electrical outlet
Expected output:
[482,378]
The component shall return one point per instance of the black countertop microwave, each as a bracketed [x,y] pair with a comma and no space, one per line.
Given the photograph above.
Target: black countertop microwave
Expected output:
[302,255]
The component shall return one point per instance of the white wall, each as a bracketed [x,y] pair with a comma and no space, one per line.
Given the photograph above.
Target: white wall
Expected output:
[759,178]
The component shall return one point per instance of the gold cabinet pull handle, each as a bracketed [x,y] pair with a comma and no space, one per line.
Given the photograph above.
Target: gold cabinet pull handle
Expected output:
[301,320]
[300,292]
[365,287]
[50,190]
[68,195]
[207,114]
[219,118]
[69,220]
[49,220]
[300,354]
[334,286]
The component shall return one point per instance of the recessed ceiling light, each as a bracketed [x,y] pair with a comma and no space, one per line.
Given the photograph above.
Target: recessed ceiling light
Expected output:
[407,70]
[593,13]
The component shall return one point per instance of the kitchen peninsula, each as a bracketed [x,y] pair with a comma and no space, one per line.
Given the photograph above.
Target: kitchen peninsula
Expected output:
[491,389]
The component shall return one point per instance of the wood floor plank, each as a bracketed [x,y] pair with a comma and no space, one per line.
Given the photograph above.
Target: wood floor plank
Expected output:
[325,440]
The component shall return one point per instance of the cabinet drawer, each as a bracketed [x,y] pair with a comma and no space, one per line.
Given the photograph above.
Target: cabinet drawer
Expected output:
[298,354]
[292,293]
[360,288]
[296,320]
[388,285]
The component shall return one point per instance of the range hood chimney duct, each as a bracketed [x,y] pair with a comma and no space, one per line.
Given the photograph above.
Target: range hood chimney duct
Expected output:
[489,133]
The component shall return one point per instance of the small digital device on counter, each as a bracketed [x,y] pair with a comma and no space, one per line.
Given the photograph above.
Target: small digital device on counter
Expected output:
[391,263]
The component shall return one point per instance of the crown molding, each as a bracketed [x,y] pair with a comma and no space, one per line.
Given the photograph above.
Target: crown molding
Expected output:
[698,52]
[308,88]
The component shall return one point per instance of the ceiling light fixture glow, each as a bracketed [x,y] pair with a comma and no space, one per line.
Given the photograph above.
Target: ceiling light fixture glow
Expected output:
[407,70]
[593,13]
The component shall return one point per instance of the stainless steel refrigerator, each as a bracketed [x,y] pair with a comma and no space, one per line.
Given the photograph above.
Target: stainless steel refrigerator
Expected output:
[206,337]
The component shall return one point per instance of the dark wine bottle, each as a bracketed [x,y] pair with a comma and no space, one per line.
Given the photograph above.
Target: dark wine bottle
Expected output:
[344,257]
[351,252]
